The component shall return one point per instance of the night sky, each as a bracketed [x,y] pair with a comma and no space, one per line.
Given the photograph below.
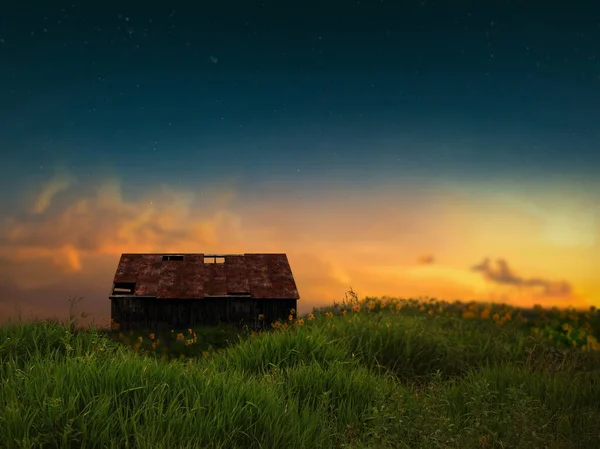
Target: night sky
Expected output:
[401,148]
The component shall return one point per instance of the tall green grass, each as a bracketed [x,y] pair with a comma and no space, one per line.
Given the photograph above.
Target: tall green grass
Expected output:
[384,376]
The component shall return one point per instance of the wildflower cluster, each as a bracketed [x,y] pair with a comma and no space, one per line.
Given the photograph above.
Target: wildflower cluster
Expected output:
[187,341]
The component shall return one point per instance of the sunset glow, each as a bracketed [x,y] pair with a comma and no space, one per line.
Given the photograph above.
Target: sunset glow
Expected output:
[400,149]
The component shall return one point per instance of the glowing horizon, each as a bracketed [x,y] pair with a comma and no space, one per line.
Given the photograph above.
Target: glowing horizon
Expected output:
[64,240]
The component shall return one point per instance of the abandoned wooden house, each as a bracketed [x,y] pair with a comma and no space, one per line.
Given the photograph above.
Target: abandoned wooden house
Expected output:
[180,291]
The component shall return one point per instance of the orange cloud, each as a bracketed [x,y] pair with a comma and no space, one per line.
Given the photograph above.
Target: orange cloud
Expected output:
[426,259]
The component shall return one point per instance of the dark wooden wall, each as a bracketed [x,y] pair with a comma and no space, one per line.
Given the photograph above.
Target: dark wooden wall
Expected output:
[164,314]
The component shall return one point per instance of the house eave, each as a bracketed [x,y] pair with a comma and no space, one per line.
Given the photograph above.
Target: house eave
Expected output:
[130,296]
[247,296]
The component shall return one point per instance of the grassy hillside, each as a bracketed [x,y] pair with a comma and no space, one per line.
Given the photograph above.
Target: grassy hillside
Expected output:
[375,373]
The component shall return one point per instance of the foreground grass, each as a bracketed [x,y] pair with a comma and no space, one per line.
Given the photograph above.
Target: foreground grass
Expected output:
[362,374]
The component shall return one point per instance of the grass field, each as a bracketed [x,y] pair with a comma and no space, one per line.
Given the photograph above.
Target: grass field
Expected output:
[371,373]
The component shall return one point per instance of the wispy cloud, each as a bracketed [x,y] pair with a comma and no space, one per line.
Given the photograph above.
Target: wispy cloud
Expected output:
[501,273]
[59,183]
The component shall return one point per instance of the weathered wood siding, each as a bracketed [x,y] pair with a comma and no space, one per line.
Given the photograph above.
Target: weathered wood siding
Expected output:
[132,313]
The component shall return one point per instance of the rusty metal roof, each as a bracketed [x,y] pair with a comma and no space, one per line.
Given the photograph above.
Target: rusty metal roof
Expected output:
[165,276]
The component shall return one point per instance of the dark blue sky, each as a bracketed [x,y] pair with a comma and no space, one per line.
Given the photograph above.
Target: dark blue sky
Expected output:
[259,88]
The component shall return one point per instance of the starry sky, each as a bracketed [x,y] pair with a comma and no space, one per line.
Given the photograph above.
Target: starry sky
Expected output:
[438,149]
